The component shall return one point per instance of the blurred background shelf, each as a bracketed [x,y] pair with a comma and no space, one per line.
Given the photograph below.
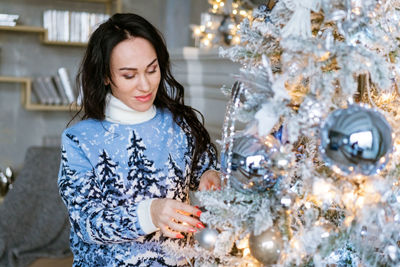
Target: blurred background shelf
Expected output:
[26,96]
[23,28]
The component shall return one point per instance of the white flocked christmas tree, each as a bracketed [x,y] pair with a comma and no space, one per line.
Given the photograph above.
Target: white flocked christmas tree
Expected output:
[311,145]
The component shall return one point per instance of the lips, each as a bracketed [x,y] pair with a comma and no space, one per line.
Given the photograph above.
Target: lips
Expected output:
[144,98]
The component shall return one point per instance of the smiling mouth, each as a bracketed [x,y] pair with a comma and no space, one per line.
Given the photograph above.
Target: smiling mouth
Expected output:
[144,98]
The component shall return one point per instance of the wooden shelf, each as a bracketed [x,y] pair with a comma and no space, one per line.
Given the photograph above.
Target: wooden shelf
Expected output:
[23,28]
[61,43]
[26,96]
[26,84]
[42,31]
[11,79]
[40,107]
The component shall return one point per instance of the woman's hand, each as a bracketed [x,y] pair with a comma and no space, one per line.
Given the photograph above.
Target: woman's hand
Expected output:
[210,180]
[174,217]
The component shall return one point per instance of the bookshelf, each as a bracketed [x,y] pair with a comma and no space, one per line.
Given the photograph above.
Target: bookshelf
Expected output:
[26,82]
[26,95]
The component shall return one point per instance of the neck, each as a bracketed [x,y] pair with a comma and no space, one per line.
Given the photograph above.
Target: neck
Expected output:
[116,111]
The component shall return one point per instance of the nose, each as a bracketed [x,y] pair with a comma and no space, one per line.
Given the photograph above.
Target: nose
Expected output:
[144,84]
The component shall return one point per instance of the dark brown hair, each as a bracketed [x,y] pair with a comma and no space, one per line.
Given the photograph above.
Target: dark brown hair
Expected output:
[95,69]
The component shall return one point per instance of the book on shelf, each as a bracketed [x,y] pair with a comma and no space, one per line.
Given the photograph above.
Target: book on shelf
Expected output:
[8,23]
[51,90]
[56,99]
[51,98]
[39,92]
[66,84]
[8,19]
[69,26]
[60,89]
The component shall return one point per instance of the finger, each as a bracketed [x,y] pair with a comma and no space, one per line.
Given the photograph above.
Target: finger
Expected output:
[167,231]
[181,227]
[189,221]
[182,208]
[203,186]
[210,185]
[216,182]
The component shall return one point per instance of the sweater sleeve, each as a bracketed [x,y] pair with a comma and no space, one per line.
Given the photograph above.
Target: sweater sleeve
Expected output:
[207,161]
[90,219]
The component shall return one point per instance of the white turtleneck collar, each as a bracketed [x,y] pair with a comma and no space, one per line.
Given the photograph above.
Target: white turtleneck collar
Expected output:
[116,111]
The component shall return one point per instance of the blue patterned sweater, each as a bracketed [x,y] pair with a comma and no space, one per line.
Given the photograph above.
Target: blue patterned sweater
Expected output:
[107,169]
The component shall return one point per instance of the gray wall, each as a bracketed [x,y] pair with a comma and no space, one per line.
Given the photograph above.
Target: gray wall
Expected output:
[22,54]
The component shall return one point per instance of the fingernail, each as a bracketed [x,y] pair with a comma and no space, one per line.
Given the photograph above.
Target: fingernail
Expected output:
[198,213]
[196,207]
[200,225]
[192,230]
[179,236]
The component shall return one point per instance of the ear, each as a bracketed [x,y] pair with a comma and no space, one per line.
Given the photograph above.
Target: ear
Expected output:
[107,81]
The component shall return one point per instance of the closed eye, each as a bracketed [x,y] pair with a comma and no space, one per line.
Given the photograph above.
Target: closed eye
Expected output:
[129,77]
[153,70]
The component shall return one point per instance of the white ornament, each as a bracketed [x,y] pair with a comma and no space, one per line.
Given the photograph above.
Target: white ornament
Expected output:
[267,117]
[299,24]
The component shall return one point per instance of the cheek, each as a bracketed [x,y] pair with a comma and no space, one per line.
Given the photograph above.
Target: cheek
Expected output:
[121,87]
[155,81]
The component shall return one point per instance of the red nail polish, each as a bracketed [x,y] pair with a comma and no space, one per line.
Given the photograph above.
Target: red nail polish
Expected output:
[200,225]
[192,230]
[196,207]
[179,236]
[198,213]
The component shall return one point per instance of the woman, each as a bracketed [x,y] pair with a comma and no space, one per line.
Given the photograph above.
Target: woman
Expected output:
[127,167]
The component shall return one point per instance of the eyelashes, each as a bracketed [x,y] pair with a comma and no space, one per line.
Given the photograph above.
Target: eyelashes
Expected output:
[128,77]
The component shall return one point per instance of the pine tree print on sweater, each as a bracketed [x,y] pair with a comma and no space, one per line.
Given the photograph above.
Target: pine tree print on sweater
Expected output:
[102,190]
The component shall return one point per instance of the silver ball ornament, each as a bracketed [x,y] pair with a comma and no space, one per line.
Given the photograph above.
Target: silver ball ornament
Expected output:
[207,238]
[280,162]
[249,164]
[267,246]
[357,140]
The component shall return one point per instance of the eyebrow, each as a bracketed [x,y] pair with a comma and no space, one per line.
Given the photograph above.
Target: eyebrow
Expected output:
[128,68]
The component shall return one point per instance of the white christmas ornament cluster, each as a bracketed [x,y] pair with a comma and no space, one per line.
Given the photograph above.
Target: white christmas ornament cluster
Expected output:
[312,178]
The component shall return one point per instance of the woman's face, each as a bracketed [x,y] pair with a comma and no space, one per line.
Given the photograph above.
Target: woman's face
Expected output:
[135,73]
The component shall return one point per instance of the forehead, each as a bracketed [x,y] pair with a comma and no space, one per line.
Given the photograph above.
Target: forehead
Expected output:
[133,52]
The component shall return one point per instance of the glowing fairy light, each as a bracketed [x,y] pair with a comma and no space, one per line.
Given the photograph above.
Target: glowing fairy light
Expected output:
[221,23]
[236,40]
[197,32]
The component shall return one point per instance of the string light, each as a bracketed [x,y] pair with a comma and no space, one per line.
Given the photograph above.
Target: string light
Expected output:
[220,25]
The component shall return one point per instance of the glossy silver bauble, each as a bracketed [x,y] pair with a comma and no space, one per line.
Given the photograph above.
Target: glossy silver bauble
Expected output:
[356,140]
